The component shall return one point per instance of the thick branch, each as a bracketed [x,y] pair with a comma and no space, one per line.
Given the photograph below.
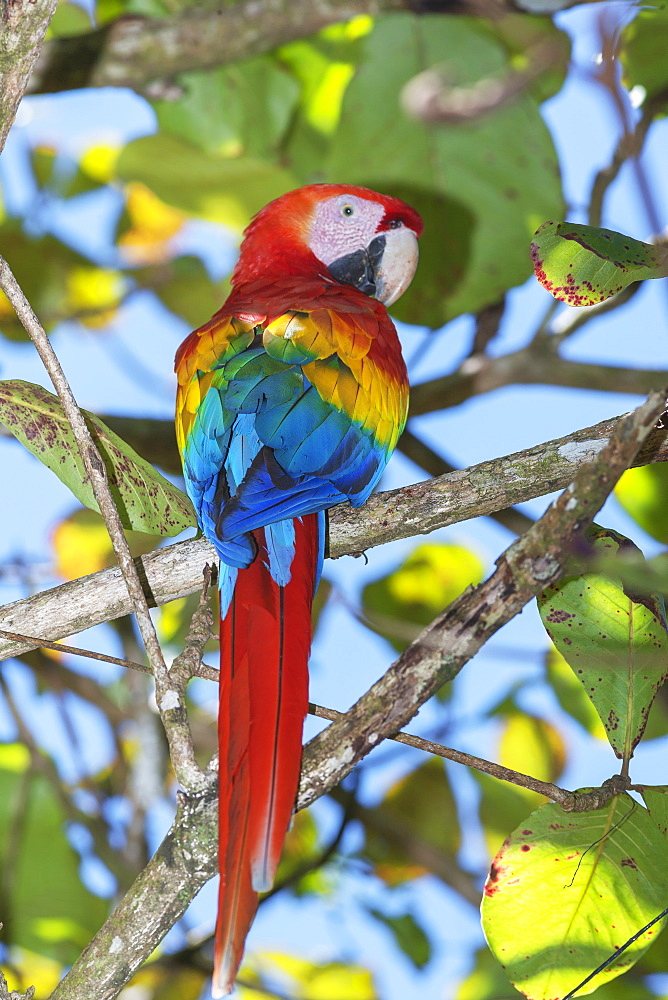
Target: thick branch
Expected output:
[176,570]
[134,51]
[23,24]
[184,862]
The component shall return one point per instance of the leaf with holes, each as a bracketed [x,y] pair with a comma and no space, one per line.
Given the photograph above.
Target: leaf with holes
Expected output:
[146,501]
[614,640]
[583,265]
[565,891]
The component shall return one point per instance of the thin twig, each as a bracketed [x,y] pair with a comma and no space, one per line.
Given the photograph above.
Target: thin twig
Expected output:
[569,321]
[546,788]
[632,138]
[188,662]
[611,958]
[182,752]
[199,670]
[528,366]
[44,765]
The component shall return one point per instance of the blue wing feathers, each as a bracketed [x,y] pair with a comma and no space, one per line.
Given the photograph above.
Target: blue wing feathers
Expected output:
[266,448]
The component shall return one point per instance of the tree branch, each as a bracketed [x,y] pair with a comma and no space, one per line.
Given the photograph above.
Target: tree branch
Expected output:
[535,560]
[186,859]
[480,374]
[135,52]
[168,697]
[23,25]
[184,862]
[176,570]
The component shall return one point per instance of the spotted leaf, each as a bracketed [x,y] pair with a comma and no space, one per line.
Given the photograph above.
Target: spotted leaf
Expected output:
[614,640]
[565,891]
[146,501]
[583,265]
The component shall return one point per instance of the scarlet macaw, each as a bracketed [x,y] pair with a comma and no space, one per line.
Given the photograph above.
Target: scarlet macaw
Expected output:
[290,399]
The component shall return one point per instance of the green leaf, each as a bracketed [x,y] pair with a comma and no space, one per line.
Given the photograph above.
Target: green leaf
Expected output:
[583,265]
[615,641]
[324,65]
[485,981]
[571,695]
[480,209]
[185,288]
[211,186]
[642,493]
[154,440]
[643,53]
[419,807]
[69,19]
[409,936]
[46,286]
[529,743]
[566,890]
[146,501]
[432,576]
[656,800]
[244,108]
[46,909]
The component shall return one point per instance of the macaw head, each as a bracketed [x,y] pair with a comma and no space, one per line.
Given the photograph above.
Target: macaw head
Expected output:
[350,234]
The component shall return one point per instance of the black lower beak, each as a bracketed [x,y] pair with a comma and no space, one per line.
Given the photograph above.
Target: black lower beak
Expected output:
[359,268]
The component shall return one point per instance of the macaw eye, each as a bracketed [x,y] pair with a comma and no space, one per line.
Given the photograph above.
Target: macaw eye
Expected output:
[347,210]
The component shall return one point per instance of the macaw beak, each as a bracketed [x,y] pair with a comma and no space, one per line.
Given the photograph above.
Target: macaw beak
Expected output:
[385,269]
[397,264]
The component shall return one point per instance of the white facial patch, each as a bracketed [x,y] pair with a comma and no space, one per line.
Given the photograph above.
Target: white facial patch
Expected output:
[342,225]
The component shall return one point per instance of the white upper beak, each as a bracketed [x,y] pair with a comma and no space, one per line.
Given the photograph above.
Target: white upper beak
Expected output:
[397,266]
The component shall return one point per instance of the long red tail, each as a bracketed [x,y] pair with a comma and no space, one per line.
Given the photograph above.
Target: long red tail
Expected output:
[265,640]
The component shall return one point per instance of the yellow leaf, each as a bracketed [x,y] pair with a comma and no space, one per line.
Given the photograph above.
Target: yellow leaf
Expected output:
[419,807]
[324,108]
[93,294]
[435,574]
[432,576]
[99,162]
[14,757]
[6,308]
[331,981]
[153,223]
[533,746]
[24,968]
[81,545]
